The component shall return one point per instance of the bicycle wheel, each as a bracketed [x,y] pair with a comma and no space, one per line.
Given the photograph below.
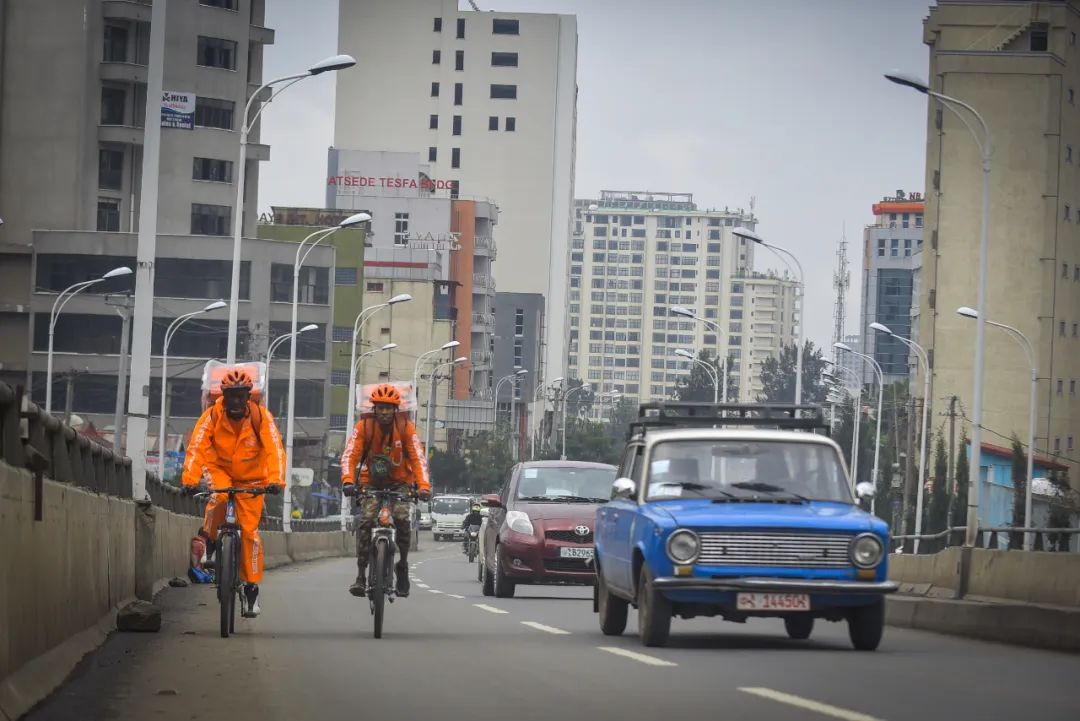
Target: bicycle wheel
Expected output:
[227,582]
[378,588]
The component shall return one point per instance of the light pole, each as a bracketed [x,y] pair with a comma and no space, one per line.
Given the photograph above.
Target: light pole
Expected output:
[713,375]
[1033,363]
[423,357]
[755,238]
[430,430]
[270,355]
[169,333]
[687,313]
[358,324]
[880,396]
[857,379]
[986,149]
[290,422]
[337,62]
[565,402]
[920,490]
[532,424]
[495,403]
[58,306]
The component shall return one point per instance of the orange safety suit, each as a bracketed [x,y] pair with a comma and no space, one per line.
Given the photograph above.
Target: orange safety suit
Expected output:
[236,453]
[408,462]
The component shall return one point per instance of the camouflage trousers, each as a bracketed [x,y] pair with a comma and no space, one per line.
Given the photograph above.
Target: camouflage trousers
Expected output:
[365,521]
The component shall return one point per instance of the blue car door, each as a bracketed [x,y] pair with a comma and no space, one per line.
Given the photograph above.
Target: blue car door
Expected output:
[621,514]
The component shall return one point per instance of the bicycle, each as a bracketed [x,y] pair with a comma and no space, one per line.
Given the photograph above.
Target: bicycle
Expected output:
[227,569]
[381,554]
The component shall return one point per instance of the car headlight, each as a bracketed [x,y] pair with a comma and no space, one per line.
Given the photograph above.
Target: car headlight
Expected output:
[867,550]
[682,546]
[519,521]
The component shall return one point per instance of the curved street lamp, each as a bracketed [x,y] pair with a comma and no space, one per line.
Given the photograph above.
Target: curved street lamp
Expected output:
[565,402]
[709,369]
[881,394]
[361,318]
[270,355]
[430,430]
[687,313]
[424,356]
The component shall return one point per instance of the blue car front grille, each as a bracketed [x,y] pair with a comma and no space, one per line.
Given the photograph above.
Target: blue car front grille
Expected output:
[790,550]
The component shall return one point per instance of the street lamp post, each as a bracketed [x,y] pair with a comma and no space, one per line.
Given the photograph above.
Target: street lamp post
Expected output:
[430,430]
[881,393]
[532,424]
[58,306]
[713,375]
[495,403]
[163,415]
[270,355]
[358,324]
[1033,363]
[687,313]
[755,238]
[566,402]
[923,460]
[986,149]
[856,430]
[302,251]
[337,62]
[424,356]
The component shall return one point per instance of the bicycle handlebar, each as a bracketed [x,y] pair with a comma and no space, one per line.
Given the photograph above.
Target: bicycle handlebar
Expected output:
[262,490]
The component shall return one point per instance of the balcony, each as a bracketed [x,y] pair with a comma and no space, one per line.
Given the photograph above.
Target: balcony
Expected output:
[126,10]
[480,360]
[483,283]
[483,323]
[264,36]
[123,72]
[124,134]
[258,151]
[485,245]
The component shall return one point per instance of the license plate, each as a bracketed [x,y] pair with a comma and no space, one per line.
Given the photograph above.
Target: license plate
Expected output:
[569,552]
[772,602]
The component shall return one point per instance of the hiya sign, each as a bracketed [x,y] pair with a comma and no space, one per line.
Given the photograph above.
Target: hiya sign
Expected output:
[177,110]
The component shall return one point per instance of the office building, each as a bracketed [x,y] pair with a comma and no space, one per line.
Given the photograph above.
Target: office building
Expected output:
[519,324]
[769,322]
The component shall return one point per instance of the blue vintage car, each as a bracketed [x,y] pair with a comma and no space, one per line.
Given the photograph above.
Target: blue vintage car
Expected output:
[739,512]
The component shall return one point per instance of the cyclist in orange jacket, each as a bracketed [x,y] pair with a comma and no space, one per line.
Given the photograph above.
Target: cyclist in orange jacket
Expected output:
[237,444]
[389,453]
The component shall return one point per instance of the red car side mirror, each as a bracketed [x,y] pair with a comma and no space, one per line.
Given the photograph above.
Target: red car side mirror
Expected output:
[492,501]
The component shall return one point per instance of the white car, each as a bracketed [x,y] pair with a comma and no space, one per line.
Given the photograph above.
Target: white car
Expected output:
[447,515]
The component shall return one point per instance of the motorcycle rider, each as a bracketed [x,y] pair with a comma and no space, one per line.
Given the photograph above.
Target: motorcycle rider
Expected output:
[475,518]
[387,449]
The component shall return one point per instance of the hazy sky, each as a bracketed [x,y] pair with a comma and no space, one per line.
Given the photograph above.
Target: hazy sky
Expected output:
[782,100]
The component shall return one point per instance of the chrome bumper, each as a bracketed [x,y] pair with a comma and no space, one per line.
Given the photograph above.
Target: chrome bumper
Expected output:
[774,585]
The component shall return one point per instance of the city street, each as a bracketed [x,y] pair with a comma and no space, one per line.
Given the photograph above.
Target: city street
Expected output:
[450,652]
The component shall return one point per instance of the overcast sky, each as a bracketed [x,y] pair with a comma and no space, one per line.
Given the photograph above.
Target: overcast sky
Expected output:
[781,100]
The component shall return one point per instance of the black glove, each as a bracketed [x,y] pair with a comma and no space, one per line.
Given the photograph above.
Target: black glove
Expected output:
[274,489]
[189,490]
[349,489]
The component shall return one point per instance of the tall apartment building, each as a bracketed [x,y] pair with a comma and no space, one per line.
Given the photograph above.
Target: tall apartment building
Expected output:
[489,99]
[519,324]
[1018,64]
[892,261]
[770,315]
[635,255]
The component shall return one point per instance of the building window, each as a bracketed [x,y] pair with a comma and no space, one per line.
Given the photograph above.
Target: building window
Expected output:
[401,229]
[216,53]
[1070,443]
[1068,212]
[459,60]
[1065,271]
[433,122]
[223,4]
[116,44]
[455,158]
[511,126]
[894,247]
[461,28]
[457,125]
[1060,387]
[108,215]
[112,105]
[504,60]
[1071,96]
[1072,388]
[341,334]
[437,25]
[219,171]
[345,276]
[432,154]
[210,219]
[110,169]
[493,122]
[503,26]
[459,91]
[214,113]
[434,90]
[1076,328]
[1061,328]
[1068,153]
[1040,38]
[374,287]
[436,57]
[504,92]
[339,378]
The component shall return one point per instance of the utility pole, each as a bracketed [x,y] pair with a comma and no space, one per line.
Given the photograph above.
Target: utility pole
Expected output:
[124,308]
[909,466]
[951,475]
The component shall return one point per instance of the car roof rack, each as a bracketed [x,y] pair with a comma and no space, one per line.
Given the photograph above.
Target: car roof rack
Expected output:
[780,416]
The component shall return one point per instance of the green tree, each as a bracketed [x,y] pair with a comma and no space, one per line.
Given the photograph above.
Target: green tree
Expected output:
[938,508]
[581,402]
[488,460]
[1066,502]
[587,441]
[449,471]
[1020,480]
[699,386]
[778,376]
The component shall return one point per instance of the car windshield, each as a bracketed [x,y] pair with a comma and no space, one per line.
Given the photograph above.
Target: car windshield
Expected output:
[456,506]
[565,484]
[742,470]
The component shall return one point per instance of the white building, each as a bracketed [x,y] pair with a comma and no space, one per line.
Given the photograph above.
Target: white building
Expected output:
[635,256]
[489,99]
[769,322]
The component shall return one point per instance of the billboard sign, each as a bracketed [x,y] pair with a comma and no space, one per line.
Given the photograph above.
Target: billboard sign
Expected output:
[177,110]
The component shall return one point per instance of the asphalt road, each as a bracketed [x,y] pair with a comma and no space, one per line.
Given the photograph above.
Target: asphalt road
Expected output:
[450,653]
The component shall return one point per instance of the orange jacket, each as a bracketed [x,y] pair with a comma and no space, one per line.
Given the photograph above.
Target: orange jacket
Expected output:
[235,451]
[408,462]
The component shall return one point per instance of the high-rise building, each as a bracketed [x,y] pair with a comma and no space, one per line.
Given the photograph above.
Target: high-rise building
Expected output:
[1017,63]
[489,100]
[634,256]
[770,315]
[892,259]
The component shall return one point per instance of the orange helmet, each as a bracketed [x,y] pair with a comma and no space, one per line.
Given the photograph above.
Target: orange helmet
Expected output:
[237,379]
[386,393]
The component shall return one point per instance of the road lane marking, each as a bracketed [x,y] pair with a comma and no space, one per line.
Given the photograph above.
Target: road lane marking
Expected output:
[454,595]
[434,590]
[809,705]
[423,585]
[489,609]
[545,629]
[650,660]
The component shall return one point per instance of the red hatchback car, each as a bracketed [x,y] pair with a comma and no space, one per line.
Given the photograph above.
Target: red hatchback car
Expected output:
[540,528]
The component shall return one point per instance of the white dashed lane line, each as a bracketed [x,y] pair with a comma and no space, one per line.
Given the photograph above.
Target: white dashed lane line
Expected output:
[489,609]
[434,590]
[423,585]
[454,595]
[546,629]
[639,657]
[809,704]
